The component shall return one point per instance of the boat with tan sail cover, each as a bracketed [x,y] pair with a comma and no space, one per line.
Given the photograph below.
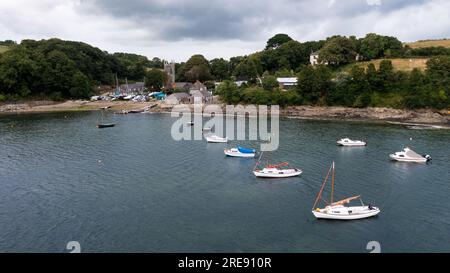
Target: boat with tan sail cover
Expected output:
[339,210]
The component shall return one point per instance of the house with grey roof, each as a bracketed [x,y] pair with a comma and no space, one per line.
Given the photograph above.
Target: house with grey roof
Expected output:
[203,96]
[136,87]
[178,98]
[197,86]
[184,86]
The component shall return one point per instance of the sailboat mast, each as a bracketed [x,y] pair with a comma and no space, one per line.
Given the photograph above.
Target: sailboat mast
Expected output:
[332,184]
[117,86]
[257,162]
[321,189]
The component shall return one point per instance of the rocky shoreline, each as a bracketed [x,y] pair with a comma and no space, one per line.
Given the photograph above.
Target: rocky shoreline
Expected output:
[420,116]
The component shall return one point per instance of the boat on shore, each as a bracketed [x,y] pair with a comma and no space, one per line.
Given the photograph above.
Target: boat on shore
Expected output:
[338,210]
[351,143]
[216,139]
[240,152]
[408,155]
[274,171]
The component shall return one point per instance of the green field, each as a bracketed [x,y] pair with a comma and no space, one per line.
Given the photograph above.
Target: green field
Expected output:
[401,64]
[430,43]
[3,48]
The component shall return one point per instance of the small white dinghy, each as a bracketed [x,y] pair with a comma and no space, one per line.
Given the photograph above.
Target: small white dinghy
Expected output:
[408,155]
[273,171]
[240,152]
[216,139]
[349,142]
[338,210]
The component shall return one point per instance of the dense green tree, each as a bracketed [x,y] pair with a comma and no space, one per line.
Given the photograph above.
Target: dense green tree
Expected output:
[386,75]
[234,61]
[155,79]
[278,40]
[438,71]
[270,83]
[220,69]
[229,92]
[372,76]
[156,63]
[179,72]
[55,68]
[8,43]
[314,83]
[197,68]
[80,86]
[428,51]
[249,68]
[135,66]
[375,46]
[338,50]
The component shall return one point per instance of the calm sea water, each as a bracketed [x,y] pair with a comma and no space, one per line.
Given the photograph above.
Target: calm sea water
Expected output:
[132,188]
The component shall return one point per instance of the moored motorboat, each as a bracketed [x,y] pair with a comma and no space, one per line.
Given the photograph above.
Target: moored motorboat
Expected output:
[240,152]
[338,210]
[273,171]
[105,125]
[408,155]
[216,139]
[349,142]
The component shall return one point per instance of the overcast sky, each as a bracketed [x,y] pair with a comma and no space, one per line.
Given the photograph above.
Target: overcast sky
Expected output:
[176,29]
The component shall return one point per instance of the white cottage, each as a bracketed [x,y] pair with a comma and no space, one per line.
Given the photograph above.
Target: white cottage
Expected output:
[287,83]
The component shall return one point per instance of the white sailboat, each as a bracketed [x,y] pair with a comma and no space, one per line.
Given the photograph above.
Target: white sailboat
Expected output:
[351,143]
[216,139]
[408,155]
[338,210]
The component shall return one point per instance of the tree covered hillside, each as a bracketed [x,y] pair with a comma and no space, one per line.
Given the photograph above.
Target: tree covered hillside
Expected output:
[60,69]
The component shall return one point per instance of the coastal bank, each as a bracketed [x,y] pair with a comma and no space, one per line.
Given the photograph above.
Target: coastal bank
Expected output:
[420,116]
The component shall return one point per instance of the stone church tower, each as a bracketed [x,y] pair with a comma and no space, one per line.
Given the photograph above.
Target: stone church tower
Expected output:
[169,68]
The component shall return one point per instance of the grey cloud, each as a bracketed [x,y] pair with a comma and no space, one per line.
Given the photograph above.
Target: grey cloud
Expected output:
[172,20]
[218,28]
[175,20]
